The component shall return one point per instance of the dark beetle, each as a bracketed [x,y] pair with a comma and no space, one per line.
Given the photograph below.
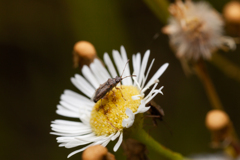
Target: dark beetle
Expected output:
[155,111]
[104,88]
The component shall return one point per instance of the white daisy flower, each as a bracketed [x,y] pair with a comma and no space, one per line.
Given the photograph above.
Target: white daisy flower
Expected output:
[105,120]
[195,30]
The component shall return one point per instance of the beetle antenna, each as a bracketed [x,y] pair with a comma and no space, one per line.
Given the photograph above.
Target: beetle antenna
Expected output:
[124,68]
[130,76]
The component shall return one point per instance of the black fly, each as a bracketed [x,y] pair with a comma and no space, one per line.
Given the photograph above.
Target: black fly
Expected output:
[155,111]
[104,88]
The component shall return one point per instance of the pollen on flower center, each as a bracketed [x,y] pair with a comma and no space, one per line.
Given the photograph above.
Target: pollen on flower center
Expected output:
[108,113]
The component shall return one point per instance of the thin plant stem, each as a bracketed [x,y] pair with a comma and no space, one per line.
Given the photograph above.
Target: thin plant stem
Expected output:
[202,73]
[153,145]
[160,8]
[227,67]
[208,85]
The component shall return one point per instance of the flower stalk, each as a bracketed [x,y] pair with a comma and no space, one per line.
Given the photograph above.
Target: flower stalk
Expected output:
[202,73]
[160,8]
[142,136]
[228,68]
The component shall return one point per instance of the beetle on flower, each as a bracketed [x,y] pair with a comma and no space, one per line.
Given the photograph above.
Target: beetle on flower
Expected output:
[105,120]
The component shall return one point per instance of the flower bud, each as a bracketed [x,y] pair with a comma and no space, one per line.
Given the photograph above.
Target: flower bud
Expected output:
[231,12]
[217,120]
[97,152]
[83,54]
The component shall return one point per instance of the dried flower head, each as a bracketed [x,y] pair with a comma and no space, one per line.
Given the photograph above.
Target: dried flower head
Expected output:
[105,120]
[195,30]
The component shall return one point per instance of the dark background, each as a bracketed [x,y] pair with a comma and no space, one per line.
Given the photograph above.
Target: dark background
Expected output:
[36,41]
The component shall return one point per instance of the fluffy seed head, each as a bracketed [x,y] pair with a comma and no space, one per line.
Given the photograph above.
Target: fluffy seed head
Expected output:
[195,30]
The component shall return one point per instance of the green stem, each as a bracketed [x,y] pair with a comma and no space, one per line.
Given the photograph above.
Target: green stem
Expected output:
[142,136]
[226,66]
[160,8]
[209,87]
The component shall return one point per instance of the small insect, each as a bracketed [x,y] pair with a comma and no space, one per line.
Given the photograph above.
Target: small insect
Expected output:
[155,111]
[108,86]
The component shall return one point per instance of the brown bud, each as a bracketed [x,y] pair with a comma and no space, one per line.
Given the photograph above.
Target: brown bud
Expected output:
[83,54]
[97,152]
[231,12]
[217,120]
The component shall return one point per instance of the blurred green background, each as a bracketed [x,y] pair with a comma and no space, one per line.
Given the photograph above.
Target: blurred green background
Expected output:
[36,41]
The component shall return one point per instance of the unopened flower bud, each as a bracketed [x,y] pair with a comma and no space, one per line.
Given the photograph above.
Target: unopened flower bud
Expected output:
[217,120]
[231,12]
[83,54]
[97,152]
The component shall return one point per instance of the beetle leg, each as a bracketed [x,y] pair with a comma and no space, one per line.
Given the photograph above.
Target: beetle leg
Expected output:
[101,106]
[114,94]
[121,92]
[113,126]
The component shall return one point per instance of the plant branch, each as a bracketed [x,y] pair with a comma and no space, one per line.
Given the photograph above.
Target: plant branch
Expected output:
[142,136]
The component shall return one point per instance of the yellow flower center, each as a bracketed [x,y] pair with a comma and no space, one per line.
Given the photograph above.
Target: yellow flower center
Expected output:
[108,113]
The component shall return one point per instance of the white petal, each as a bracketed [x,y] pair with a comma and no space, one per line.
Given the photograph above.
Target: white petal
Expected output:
[110,65]
[85,83]
[101,68]
[98,74]
[127,70]
[74,108]
[69,128]
[136,82]
[157,74]
[79,131]
[106,143]
[136,97]
[149,68]
[118,143]
[137,65]
[67,139]
[79,96]
[143,67]
[85,119]
[68,134]
[66,122]
[129,113]
[75,143]
[82,149]
[115,136]
[151,92]
[82,87]
[120,65]
[90,77]
[67,113]
[130,120]
[142,108]
[155,93]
